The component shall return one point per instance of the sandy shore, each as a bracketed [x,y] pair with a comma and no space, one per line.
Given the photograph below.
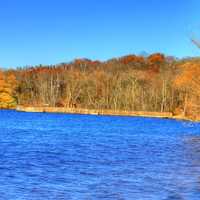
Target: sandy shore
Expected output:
[165,115]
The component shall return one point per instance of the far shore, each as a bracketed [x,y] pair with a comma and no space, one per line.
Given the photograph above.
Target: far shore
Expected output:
[164,115]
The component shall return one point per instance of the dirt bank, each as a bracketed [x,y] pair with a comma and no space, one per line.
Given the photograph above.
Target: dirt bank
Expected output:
[99,112]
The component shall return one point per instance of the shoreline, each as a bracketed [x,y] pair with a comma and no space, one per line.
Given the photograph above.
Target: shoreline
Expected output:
[104,112]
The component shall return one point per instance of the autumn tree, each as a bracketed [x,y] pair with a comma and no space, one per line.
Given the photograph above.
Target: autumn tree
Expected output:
[188,82]
[7,86]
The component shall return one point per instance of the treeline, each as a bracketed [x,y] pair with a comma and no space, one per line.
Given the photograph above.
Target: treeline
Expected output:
[135,83]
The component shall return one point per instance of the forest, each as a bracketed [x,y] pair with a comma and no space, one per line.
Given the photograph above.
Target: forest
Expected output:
[132,83]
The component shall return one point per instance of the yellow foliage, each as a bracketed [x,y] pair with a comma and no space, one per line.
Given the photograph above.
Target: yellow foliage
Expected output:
[7,85]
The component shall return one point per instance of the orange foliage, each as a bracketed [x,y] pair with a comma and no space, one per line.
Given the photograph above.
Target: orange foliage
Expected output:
[189,78]
[132,59]
[156,58]
[7,84]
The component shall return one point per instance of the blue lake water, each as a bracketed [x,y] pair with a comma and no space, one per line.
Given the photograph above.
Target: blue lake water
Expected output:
[84,157]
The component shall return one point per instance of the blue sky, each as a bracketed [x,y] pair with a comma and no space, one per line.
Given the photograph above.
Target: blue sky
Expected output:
[52,31]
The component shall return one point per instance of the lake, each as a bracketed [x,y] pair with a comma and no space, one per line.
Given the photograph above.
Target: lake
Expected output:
[85,157]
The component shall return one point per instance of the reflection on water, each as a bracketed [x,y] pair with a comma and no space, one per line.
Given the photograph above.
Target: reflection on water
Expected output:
[52,156]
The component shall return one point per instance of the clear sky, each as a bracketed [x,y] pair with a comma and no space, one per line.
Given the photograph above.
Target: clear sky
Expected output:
[53,31]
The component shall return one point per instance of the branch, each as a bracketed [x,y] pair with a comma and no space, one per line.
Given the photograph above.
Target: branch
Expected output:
[196,42]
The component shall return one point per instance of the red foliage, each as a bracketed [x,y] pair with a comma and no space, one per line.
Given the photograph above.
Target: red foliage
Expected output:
[156,58]
[131,59]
